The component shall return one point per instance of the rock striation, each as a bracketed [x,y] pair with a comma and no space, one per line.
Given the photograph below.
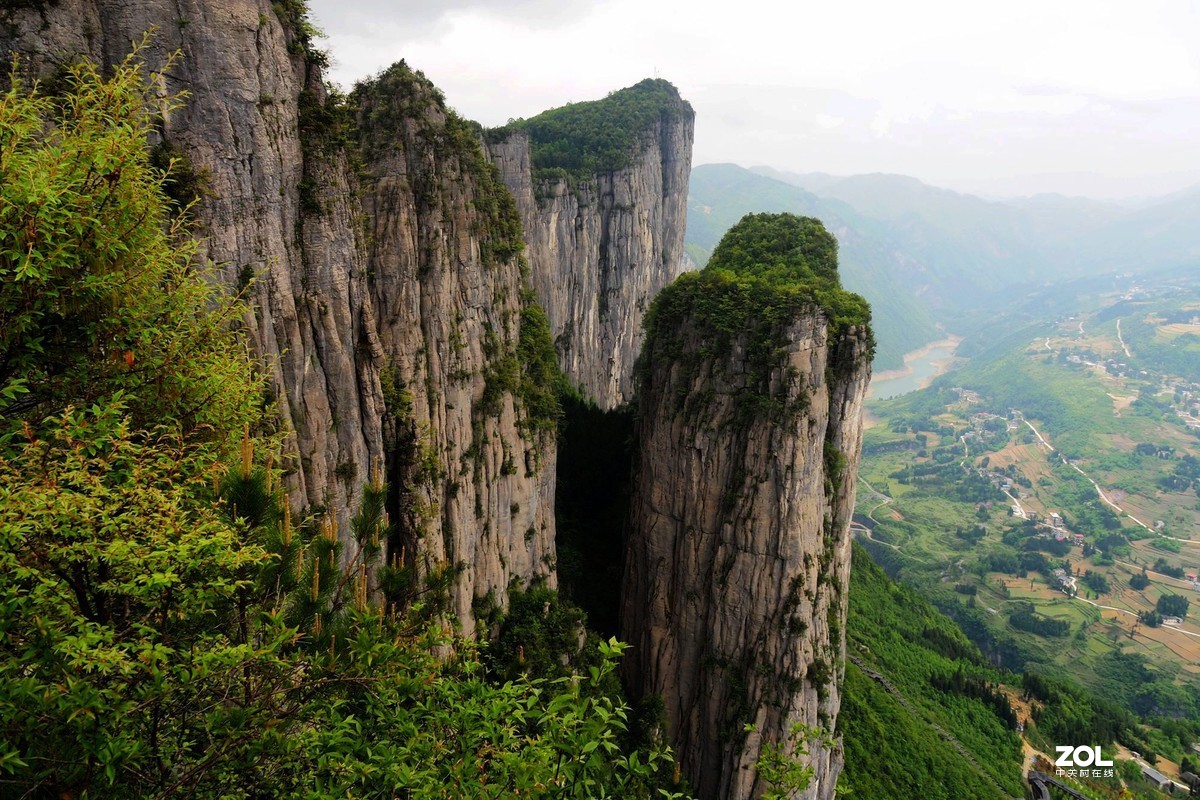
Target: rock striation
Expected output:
[749,438]
[604,238]
[461,350]
[389,303]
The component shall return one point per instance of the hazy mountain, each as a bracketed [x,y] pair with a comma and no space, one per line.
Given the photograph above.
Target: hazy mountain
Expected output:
[1034,239]
[1160,235]
[720,194]
[926,256]
[973,246]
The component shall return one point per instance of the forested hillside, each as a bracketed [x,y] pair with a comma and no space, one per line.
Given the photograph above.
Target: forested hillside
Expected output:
[939,723]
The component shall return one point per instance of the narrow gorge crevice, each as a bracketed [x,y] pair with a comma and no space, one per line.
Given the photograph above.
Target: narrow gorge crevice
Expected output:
[595,460]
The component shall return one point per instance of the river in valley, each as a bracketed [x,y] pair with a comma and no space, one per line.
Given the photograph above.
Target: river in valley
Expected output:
[920,368]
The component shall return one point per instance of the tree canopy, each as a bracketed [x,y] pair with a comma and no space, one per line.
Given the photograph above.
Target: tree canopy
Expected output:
[767,272]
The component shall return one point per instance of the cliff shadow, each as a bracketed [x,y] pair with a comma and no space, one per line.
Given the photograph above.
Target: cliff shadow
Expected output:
[591,507]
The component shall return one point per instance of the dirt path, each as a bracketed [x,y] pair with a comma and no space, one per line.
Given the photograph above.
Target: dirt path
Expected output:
[1121,339]
[1017,505]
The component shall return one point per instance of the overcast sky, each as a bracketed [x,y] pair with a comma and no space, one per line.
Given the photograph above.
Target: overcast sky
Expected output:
[1091,97]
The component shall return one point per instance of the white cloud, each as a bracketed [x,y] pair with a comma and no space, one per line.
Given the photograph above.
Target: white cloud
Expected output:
[941,89]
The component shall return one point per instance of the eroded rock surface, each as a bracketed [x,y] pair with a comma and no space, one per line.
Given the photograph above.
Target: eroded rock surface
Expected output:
[384,300]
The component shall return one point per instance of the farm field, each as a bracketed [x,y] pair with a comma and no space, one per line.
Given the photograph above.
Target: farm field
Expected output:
[1048,497]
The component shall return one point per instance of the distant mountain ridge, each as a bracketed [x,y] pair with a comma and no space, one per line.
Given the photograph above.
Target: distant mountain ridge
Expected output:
[929,258]
[720,194]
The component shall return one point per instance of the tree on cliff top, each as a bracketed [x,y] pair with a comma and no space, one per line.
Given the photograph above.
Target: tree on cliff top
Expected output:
[576,141]
[784,245]
[767,271]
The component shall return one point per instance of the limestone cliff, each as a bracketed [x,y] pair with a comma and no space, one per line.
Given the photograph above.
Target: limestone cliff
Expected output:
[465,355]
[605,233]
[400,324]
[388,299]
[749,435]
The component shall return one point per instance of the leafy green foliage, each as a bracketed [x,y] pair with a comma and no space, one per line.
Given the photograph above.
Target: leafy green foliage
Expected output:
[782,247]
[540,636]
[293,15]
[1166,568]
[1174,605]
[97,292]
[1026,619]
[893,749]
[580,140]
[1097,582]
[118,572]
[435,729]
[541,380]
[529,372]
[781,766]
[545,638]
[892,753]
[1065,712]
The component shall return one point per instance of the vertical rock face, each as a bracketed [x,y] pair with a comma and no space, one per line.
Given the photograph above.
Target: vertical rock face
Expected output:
[388,301]
[244,70]
[734,597]
[602,244]
[455,331]
[398,324]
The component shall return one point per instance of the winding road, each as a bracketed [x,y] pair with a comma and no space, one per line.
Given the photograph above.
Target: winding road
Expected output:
[1121,339]
[1099,492]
